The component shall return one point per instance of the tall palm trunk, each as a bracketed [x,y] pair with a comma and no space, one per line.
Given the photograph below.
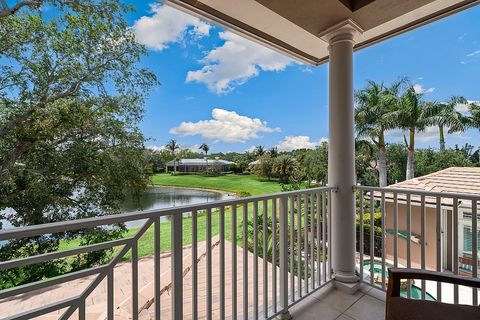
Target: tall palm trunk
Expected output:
[382,161]
[442,138]
[411,155]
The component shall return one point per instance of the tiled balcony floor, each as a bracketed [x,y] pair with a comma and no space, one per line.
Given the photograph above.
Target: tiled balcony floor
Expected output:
[330,303]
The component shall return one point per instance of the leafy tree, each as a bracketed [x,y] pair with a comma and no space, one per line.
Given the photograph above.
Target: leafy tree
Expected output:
[6,10]
[173,146]
[187,154]
[313,163]
[157,159]
[374,104]
[365,163]
[71,98]
[428,160]
[397,162]
[264,168]
[445,115]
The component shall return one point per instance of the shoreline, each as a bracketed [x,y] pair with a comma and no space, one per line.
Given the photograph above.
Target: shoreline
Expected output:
[229,193]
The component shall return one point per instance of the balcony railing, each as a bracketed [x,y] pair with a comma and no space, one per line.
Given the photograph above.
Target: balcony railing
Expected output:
[418,229]
[257,256]
[269,251]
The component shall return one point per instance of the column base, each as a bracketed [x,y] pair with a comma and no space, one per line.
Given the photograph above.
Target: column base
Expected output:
[347,282]
[348,277]
[284,316]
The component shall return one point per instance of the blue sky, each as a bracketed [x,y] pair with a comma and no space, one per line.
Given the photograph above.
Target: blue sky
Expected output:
[221,89]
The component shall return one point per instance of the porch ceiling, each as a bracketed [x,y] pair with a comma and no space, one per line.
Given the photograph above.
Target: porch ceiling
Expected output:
[295,27]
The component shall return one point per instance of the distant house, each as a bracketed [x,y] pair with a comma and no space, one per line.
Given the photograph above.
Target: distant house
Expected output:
[199,165]
[452,180]
[252,164]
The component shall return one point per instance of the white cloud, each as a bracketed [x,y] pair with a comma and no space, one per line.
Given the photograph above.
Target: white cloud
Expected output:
[420,89]
[290,143]
[475,53]
[236,61]
[429,134]
[156,148]
[464,107]
[168,25]
[307,70]
[251,149]
[226,126]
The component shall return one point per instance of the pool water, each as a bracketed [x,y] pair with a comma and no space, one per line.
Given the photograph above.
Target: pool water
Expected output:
[415,292]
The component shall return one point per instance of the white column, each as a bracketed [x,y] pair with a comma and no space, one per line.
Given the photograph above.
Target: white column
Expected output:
[341,155]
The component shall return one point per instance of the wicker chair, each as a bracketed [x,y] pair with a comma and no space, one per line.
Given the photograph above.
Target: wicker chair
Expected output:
[398,308]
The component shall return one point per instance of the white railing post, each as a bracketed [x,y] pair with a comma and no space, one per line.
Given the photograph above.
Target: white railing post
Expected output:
[177,267]
[283,212]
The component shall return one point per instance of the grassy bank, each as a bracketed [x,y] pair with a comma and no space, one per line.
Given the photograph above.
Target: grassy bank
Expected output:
[250,184]
[232,183]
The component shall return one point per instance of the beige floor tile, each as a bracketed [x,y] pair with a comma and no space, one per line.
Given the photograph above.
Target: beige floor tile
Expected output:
[376,293]
[367,308]
[336,298]
[311,308]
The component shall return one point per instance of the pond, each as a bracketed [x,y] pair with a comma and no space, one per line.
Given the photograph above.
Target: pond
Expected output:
[167,197]
[162,197]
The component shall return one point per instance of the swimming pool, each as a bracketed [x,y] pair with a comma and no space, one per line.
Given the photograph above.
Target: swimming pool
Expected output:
[415,292]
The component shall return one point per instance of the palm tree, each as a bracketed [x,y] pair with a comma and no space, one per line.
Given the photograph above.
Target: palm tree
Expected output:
[412,115]
[259,151]
[374,105]
[173,146]
[284,166]
[474,119]
[205,148]
[273,152]
[445,115]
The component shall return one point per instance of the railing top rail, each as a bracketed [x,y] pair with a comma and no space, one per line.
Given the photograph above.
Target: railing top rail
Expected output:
[63,226]
[464,196]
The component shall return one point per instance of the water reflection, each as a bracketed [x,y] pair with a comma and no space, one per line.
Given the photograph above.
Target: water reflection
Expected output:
[167,197]
[156,198]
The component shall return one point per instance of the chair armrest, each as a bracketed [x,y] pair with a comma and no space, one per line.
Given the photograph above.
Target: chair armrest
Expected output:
[395,275]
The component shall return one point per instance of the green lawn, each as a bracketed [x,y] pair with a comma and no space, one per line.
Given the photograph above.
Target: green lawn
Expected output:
[234,183]
[146,242]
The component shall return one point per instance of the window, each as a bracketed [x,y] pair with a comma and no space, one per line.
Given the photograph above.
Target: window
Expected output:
[467,239]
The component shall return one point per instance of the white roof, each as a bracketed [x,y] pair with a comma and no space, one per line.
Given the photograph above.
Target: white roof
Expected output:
[199,162]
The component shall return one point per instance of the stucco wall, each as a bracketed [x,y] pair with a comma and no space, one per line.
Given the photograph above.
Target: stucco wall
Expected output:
[430,229]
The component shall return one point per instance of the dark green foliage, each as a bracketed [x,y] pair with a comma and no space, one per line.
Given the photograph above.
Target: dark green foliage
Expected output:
[429,160]
[377,223]
[71,99]
[396,162]
[157,159]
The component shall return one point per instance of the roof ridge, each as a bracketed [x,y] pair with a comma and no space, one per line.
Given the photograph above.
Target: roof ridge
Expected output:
[444,180]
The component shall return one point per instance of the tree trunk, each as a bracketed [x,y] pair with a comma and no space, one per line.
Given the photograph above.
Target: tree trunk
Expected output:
[442,138]
[411,155]
[382,162]
[382,167]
